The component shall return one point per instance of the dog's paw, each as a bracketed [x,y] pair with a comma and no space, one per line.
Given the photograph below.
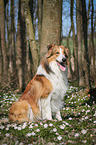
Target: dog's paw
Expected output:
[58,116]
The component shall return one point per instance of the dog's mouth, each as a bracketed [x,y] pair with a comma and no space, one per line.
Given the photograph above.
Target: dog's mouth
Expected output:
[62,65]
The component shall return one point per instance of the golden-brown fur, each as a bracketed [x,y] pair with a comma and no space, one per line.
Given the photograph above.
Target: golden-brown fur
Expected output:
[38,87]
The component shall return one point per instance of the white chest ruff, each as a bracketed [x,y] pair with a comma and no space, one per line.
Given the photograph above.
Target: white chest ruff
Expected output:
[59,83]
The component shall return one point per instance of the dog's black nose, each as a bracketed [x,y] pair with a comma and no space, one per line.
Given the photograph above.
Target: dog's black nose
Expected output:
[63,59]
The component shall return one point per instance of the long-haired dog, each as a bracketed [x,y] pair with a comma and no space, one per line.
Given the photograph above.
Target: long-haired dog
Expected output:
[43,96]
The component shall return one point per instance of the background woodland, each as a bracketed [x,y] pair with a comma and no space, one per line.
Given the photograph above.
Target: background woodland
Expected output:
[28,26]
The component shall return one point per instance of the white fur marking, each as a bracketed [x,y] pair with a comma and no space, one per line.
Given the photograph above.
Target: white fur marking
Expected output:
[59,58]
[54,101]
[30,113]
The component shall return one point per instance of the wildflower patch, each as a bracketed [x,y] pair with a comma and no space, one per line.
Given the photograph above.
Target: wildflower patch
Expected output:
[77,126]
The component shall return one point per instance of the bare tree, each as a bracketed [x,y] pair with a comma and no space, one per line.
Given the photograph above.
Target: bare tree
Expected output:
[30,32]
[74,40]
[86,55]
[79,40]
[3,47]
[51,24]
[92,42]
[40,14]
[21,48]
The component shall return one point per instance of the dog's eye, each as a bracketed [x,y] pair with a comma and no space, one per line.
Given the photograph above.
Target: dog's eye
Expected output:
[64,53]
[57,52]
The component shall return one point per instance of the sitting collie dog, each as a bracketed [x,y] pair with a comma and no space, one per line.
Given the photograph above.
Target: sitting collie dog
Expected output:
[43,96]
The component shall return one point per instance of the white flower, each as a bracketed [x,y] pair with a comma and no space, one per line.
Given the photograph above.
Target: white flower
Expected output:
[31,126]
[59,137]
[87,111]
[67,108]
[70,118]
[94,114]
[83,110]
[1,127]
[7,134]
[29,134]
[37,130]
[24,125]
[36,124]
[19,128]
[84,131]
[76,134]
[56,133]
[15,127]
[62,126]
[41,123]
[54,129]
[8,125]
[45,125]
[7,128]
[65,122]
[84,141]
[82,118]
[50,124]
[21,143]
[94,121]
[86,117]
[33,133]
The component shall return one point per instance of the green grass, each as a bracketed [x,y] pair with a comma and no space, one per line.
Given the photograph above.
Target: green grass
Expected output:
[77,127]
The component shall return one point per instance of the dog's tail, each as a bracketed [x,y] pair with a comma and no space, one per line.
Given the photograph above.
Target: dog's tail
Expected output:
[21,111]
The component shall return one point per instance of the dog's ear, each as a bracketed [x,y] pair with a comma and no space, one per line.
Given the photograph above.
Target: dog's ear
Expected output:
[50,46]
[67,54]
[66,51]
[50,50]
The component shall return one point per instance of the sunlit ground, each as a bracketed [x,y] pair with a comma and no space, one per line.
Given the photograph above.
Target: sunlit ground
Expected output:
[77,127]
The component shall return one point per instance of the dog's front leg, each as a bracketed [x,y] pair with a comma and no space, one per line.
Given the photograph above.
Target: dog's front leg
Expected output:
[58,115]
[46,108]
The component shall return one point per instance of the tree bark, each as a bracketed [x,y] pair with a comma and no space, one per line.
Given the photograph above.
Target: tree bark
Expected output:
[1,61]
[29,27]
[79,40]
[84,25]
[92,42]
[21,48]
[40,13]
[75,53]
[51,24]
[3,47]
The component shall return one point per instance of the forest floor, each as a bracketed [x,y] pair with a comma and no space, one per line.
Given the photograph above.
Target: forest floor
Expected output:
[77,127]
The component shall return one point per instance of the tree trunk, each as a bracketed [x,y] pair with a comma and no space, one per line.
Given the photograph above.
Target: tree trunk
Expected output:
[84,25]
[92,42]
[40,13]
[21,48]
[3,47]
[70,70]
[79,40]
[51,24]
[1,61]
[74,41]
[29,26]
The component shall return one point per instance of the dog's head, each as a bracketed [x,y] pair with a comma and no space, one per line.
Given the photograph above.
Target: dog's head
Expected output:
[58,54]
